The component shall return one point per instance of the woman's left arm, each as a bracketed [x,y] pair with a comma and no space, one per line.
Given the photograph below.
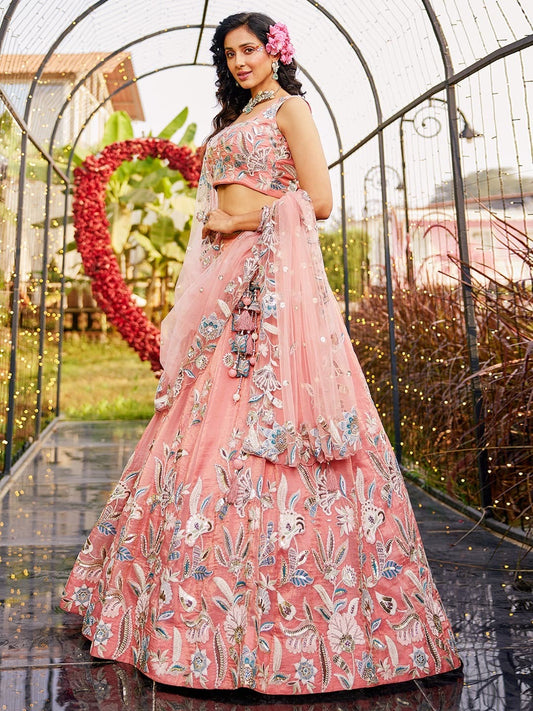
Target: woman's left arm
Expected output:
[297,125]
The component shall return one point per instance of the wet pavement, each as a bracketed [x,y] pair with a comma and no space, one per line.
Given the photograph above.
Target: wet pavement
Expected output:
[51,502]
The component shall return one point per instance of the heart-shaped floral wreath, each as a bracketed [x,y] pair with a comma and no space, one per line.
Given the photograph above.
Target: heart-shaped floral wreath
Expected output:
[94,242]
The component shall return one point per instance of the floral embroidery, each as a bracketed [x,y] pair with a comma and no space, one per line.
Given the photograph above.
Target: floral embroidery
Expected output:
[349,576]
[345,519]
[350,427]
[235,624]
[435,615]
[306,672]
[366,668]
[268,305]
[286,609]
[249,549]
[196,526]
[420,659]
[197,523]
[81,595]
[102,634]
[265,379]
[300,578]
[275,440]
[248,668]
[211,327]
[201,362]
[235,155]
[344,633]
[199,663]
[229,360]
[372,516]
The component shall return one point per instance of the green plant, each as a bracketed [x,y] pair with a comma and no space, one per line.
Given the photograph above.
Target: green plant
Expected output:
[332,253]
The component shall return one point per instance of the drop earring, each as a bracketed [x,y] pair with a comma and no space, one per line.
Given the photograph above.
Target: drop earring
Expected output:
[275,67]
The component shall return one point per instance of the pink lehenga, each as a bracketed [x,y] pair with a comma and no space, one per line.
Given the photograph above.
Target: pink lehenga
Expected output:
[261,535]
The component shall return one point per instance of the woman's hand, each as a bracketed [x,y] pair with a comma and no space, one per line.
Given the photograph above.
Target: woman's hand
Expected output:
[219,221]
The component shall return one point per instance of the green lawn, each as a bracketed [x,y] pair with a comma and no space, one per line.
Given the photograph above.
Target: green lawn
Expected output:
[105,381]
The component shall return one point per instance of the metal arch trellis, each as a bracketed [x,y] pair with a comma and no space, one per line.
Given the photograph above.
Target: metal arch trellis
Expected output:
[10,425]
[55,128]
[38,74]
[492,57]
[383,183]
[397,442]
[448,85]
[467,132]
[466,276]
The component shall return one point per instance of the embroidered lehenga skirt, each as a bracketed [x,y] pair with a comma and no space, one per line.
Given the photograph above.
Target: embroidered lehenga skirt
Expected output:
[260,536]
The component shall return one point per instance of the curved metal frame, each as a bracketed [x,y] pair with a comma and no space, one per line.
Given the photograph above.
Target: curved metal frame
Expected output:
[466,276]
[397,441]
[10,424]
[20,207]
[447,85]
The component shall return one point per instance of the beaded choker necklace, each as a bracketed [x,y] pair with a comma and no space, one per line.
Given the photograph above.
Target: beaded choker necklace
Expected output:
[259,98]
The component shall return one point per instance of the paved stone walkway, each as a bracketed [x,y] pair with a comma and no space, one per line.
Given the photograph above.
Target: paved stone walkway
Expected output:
[52,500]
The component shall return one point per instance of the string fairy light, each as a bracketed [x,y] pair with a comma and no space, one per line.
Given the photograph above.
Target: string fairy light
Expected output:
[433,364]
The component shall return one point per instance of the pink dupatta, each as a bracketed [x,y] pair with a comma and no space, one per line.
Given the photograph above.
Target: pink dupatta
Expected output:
[306,389]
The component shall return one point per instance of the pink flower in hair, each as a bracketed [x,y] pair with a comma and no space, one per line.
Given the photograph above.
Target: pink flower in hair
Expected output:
[280,43]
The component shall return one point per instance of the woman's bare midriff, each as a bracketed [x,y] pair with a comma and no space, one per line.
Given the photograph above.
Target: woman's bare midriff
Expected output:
[238,199]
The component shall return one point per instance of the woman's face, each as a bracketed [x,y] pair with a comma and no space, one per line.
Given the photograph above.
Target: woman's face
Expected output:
[248,60]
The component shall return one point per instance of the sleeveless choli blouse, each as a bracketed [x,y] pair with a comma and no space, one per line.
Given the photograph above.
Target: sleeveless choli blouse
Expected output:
[253,153]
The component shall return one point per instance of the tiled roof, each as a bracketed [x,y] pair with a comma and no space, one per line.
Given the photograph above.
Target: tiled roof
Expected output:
[116,71]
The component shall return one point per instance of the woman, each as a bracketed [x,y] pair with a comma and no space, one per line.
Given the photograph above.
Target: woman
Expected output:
[261,535]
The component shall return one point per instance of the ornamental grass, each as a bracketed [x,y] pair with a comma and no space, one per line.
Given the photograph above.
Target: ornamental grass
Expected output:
[439,441]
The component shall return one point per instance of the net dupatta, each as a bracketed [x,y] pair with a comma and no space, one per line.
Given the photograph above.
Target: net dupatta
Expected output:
[306,391]
[197,258]
[308,376]
[180,324]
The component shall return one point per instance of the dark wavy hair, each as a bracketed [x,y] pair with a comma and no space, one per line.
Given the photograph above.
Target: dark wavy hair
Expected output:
[230,95]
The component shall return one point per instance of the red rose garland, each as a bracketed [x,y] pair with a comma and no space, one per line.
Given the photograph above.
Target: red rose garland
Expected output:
[94,242]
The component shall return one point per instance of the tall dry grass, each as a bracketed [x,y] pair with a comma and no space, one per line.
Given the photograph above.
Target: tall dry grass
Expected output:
[435,381]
